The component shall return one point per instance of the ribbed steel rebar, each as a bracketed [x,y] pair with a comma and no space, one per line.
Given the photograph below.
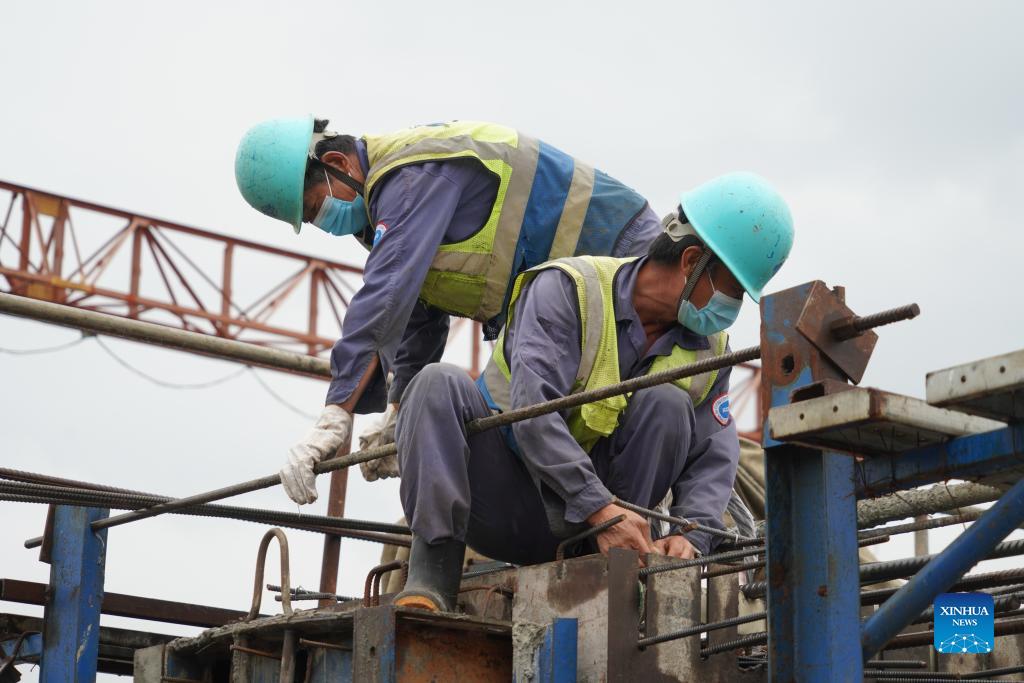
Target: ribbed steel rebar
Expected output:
[925,524]
[884,571]
[699,628]
[43,493]
[950,676]
[968,583]
[850,328]
[747,641]
[472,427]
[490,422]
[684,524]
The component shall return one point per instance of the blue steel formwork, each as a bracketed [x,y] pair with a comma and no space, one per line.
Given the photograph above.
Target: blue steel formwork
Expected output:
[814,625]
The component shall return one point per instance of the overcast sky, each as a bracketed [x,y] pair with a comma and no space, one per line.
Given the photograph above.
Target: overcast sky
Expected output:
[894,130]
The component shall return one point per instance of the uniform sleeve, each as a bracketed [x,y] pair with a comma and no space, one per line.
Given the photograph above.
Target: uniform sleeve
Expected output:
[424,341]
[543,350]
[702,490]
[416,206]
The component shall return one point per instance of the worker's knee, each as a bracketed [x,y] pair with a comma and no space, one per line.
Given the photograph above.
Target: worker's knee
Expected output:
[436,381]
[662,410]
[661,400]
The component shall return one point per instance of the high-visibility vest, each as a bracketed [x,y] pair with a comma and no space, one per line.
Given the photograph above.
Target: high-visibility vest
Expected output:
[548,205]
[599,357]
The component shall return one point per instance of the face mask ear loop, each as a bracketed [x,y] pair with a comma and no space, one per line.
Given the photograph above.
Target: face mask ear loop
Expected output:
[328,179]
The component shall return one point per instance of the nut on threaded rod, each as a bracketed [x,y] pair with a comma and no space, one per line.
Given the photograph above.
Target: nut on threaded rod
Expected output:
[857,325]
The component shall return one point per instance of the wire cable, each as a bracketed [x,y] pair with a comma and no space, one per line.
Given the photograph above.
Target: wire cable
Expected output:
[48,349]
[277,397]
[162,383]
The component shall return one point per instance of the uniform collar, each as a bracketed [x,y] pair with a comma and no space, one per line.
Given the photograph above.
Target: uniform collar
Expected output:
[364,159]
[625,282]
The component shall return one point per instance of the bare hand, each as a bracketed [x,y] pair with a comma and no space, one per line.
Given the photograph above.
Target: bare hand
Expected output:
[631,533]
[676,546]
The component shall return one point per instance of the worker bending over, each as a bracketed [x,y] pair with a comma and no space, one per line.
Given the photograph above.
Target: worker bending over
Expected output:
[450,214]
[577,324]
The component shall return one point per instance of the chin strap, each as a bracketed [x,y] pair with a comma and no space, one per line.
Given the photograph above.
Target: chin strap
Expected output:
[698,270]
[338,175]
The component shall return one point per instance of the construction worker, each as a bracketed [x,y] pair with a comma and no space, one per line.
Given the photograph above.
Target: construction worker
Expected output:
[450,213]
[578,324]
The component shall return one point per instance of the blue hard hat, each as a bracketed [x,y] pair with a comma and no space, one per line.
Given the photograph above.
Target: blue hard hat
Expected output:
[270,167]
[745,222]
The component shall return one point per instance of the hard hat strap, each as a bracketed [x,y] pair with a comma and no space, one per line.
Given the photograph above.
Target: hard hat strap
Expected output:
[344,178]
[698,270]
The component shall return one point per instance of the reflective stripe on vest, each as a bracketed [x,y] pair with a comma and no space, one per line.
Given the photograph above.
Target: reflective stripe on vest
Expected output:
[599,360]
[543,204]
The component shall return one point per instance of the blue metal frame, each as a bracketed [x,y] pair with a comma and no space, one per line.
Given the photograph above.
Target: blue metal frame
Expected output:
[938,575]
[72,614]
[961,458]
[556,658]
[813,584]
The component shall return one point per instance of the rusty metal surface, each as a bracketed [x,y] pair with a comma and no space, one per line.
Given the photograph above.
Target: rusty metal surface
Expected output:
[371,587]
[821,311]
[261,561]
[332,543]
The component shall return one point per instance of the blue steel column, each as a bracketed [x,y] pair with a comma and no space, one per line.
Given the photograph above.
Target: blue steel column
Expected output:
[556,658]
[71,630]
[813,584]
[938,575]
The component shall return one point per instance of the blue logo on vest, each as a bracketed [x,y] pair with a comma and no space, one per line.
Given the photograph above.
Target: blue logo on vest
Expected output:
[720,409]
[379,233]
[964,623]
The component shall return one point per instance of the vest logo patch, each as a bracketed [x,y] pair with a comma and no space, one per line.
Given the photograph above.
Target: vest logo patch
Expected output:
[378,233]
[720,409]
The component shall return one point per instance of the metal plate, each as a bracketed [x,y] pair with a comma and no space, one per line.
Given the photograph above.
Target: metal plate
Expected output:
[822,310]
[871,422]
[992,387]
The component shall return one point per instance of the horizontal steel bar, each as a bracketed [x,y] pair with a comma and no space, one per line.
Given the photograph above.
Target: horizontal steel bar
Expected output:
[965,457]
[938,498]
[1003,627]
[152,333]
[700,628]
[969,582]
[136,607]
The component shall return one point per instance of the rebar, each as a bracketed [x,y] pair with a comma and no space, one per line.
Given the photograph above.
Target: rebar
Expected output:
[126,499]
[1003,627]
[876,572]
[948,676]
[684,524]
[747,641]
[968,583]
[896,664]
[702,561]
[938,498]
[700,628]
[857,325]
[329,528]
[474,426]
[924,524]
[583,535]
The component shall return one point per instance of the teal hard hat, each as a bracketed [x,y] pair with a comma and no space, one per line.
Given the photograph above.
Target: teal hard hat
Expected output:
[745,222]
[270,167]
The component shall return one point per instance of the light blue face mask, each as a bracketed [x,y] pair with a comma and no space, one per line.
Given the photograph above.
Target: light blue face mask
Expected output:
[719,313]
[339,217]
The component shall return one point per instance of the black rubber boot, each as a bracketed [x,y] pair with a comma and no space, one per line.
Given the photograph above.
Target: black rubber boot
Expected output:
[435,572]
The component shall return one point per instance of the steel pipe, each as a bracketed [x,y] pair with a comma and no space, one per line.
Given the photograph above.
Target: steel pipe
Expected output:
[151,333]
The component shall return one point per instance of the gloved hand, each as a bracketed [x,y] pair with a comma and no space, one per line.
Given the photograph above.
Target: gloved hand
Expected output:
[380,434]
[331,431]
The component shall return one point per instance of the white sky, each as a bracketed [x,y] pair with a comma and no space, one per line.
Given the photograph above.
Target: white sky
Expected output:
[894,130]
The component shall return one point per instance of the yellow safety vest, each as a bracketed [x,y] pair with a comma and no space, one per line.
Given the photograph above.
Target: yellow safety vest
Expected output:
[471,278]
[599,357]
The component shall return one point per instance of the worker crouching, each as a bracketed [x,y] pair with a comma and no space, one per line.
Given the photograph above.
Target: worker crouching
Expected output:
[577,324]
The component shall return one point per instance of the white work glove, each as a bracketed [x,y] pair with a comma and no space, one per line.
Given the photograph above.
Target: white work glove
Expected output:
[380,434]
[332,430]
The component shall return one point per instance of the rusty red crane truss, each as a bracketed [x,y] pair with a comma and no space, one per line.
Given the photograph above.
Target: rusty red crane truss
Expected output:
[101,258]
